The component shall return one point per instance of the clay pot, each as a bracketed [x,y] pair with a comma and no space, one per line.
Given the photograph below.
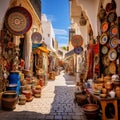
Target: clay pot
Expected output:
[107,78]
[9,100]
[104,90]
[118,93]
[108,85]
[91,110]
[22,99]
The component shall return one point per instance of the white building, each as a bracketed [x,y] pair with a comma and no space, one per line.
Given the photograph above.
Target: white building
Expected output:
[48,33]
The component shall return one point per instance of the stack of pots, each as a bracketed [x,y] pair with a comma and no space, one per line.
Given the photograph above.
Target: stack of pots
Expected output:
[28,95]
[22,99]
[37,91]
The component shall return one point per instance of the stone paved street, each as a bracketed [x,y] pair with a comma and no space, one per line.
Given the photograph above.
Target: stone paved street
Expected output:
[56,103]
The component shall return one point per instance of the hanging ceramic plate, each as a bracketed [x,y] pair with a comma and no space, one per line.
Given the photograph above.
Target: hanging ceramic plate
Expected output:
[106,71]
[110,6]
[78,50]
[77,40]
[103,38]
[18,20]
[112,17]
[36,37]
[112,54]
[106,60]
[104,50]
[112,68]
[113,42]
[113,30]
[104,26]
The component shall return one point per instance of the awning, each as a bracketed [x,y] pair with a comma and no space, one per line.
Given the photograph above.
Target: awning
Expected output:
[43,49]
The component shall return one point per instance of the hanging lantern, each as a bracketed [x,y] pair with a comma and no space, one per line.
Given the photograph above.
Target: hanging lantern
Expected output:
[82,21]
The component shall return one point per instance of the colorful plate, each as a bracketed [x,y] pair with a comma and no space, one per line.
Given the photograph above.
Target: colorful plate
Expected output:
[112,68]
[103,38]
[112,16]
[113,42]
[113,30]
[77,40]
[104,50]
[112,54]
[36,37]
[106,60]
[78,50]
[110,6]
[18,20]
[104,26]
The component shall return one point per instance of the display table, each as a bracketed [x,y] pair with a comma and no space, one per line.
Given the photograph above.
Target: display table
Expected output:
[104,102]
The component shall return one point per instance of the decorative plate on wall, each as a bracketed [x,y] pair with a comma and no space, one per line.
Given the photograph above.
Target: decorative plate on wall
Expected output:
[103,38]
[111,16]
[77,40]
[104,49]
[110,6]
[113,42]
[113,30]
[106,60]
[112,68]
[18,20]
[104,26]
[36,37]
[112,54]
[78,50]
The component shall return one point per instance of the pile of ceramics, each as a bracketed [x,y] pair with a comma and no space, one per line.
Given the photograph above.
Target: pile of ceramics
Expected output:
[30,88]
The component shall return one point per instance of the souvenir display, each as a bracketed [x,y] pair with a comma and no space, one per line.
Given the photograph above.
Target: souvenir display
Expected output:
[113,42]
[103,39]
[112,54]
[104,50]
[36,37]
[113,30]
[78,50]
[18,20]
[112,17]
[104,26]
[77,40]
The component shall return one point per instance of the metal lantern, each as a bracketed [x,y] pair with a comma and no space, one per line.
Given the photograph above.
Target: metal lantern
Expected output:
[82,21]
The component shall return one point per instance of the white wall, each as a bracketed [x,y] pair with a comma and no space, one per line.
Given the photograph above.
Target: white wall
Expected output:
[3,8]
[48,29]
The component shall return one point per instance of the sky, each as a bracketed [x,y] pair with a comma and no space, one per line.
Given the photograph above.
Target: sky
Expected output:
[57,11]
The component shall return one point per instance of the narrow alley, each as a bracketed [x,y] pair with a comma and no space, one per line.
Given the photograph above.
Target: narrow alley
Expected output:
[56,103]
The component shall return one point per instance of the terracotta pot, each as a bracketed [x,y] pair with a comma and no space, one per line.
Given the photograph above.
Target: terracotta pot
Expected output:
[108,85]
[9,100]
[91,110]
[118,93]
[104,90]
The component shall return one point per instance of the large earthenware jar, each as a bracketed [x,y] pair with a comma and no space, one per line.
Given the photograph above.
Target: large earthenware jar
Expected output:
[9,100]
[91,111]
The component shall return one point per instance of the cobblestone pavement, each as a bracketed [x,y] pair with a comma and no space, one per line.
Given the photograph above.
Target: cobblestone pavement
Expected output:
[56,103]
